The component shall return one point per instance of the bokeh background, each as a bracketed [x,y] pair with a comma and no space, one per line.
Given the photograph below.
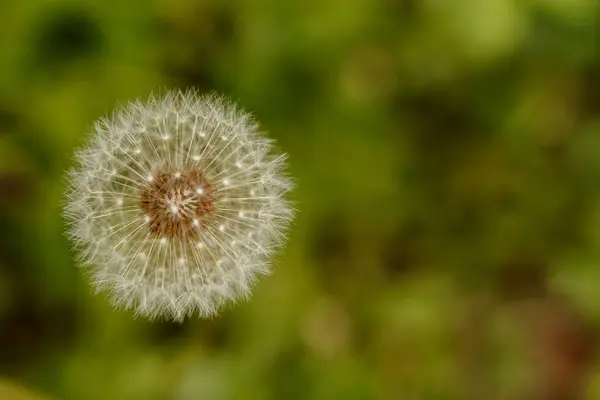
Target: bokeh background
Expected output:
[447,155]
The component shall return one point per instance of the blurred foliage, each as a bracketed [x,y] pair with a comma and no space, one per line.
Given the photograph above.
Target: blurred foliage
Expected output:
[447,155]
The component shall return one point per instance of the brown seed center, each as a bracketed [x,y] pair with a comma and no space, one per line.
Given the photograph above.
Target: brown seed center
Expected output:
[178,203]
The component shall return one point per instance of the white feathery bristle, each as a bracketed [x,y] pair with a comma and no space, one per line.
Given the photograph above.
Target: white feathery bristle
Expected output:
[177,204]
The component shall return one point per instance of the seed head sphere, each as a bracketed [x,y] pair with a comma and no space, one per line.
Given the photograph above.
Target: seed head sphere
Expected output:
[176,205]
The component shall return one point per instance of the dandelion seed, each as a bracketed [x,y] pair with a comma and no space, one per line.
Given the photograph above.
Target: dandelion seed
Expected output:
[161,217]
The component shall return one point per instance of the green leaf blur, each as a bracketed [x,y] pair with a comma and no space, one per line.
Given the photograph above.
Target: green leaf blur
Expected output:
[447,156]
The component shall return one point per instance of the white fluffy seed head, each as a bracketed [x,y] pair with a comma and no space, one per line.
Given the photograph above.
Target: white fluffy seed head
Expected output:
[177,204]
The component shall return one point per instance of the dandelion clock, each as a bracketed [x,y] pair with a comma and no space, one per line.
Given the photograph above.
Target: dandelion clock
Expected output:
[177,204]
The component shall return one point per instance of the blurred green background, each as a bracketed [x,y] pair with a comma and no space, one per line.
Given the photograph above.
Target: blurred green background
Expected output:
[447,155]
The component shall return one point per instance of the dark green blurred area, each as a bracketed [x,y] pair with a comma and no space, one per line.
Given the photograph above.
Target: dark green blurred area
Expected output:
[447,155]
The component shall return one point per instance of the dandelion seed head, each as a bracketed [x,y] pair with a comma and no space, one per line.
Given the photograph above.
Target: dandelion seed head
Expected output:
[177,204]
